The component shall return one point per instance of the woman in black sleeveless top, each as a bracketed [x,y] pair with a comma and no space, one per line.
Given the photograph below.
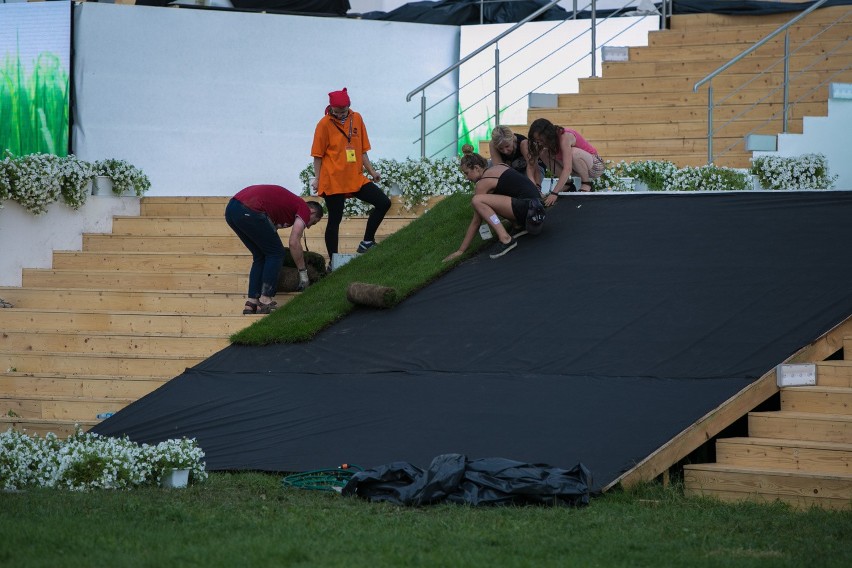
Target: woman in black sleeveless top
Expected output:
[500,191]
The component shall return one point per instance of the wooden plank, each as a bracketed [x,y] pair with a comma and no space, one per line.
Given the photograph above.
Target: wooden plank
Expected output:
[214,226]
[695,22]
[728,412]
[773,453]
[152,261]
[189,244]
[745,35]
[159,301]
[92,386]
[188,281]
[112,343]
[97,364]
[60,408]
[122,322]
[834,373]
[724,83]
[41,427]
[726,52]
[801,426]
[700,69]
[827,400]
[797,488]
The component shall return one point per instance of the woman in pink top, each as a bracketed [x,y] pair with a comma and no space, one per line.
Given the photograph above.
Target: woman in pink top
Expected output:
[564,152]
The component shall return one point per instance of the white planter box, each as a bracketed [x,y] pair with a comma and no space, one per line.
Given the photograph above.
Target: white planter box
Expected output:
[175,479]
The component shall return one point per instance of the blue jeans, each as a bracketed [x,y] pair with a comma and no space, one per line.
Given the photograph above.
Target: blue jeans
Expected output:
[259,235]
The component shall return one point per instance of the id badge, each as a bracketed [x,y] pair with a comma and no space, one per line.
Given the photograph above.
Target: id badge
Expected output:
[350,154]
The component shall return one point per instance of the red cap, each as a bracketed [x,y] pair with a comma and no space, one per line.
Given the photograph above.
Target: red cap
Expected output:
[338,98]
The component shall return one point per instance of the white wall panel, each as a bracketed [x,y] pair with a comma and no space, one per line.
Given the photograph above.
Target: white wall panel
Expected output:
[207,102]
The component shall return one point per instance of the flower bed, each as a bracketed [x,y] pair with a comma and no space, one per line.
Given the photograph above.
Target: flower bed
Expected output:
[89,461]
[37,180]
[415,181]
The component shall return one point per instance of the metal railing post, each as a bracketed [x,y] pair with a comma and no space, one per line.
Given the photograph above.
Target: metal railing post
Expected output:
[786,78]
[423,124]
[496,85]
[710,123]
[594,38]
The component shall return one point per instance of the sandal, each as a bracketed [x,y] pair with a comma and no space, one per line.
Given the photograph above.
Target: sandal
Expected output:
[584,185]
[249,309]
[267,308]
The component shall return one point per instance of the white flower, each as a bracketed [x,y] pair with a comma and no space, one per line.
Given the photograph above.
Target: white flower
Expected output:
[808,171]
[88,461]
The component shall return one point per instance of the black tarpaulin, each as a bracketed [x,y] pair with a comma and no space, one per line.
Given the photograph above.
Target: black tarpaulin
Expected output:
[628,319]
[452,478]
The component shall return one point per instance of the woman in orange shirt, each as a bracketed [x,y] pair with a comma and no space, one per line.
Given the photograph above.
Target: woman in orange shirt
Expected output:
[340,157]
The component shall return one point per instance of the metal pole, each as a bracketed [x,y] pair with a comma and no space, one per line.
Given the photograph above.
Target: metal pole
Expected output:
[481,11]
[786,77]
[423,124]
[575,9]
[710,123]
[496,85]
[594,38]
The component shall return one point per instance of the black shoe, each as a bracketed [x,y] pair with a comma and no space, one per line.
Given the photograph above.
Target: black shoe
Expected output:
[365,246]
[569,186]
[503,248]
[535,216]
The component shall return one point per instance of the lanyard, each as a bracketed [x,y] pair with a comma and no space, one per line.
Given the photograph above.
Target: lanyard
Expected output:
[349,137]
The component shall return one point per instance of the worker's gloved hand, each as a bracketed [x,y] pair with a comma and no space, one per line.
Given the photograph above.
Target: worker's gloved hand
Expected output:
[304,281]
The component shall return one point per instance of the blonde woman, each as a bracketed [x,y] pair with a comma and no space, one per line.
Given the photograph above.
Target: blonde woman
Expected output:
[512,149]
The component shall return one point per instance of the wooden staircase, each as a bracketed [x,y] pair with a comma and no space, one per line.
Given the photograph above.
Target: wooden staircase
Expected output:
[645,108]
[109,324]
[800,454]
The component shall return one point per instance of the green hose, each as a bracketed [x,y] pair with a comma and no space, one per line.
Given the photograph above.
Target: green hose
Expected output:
[322,479]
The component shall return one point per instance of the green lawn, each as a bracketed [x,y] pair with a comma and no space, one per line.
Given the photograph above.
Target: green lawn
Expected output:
[250,519]
[405,261]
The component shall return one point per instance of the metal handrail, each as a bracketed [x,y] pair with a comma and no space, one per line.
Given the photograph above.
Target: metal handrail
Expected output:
[665,11]
[736,59]
[479,50]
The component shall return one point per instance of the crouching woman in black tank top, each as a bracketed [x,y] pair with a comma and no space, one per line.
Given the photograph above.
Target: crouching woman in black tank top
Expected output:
[499,192]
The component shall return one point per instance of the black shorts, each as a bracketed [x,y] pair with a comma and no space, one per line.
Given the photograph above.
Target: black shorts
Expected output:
[519,209]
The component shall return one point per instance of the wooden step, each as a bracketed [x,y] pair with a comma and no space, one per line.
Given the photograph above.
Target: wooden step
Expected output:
[60,408]
[739,483]
[63,320]
[141,365]
[744,35]
[153,261]
[725,83]
[679,130]
[190,206]
[214,226]
[186,206]
[827,400]
[159,301]
[226,244]
[618,117]
[697,22]
[726,52]
[111,279]
[111,343]
[744,97]
[847,348]
[93,386]
[835,373]
[40,427]
[801,426]
[773,453]
[700,69]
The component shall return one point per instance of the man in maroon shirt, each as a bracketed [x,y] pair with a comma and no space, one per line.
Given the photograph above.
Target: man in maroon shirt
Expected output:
[255,214]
